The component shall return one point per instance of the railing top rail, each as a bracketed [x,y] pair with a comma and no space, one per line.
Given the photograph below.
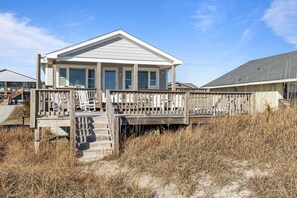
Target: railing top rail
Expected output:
[178,92]
[145,91]
[223,93]
[76,88]
[54,90]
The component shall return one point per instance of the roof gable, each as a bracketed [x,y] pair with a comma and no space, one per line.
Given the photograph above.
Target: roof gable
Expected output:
[117,45]
[11,76]
[274,68]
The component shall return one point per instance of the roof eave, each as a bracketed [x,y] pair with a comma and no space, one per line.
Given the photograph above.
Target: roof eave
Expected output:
[55,54]
[252,83]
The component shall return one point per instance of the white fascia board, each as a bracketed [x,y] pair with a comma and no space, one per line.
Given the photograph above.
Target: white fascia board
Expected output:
[96,60]
[55,54]
[253,83]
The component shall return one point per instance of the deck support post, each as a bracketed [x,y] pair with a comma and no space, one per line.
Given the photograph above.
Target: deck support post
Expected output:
[99,84]
[36,139]
[116,136]
[173,84]
[187,108]
[38,81]
[135,77]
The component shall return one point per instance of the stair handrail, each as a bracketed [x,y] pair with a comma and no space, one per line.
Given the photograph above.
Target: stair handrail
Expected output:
[113,123]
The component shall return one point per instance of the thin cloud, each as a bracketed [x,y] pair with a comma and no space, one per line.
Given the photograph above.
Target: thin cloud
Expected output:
[206,16]
[20,42]
[281,18]
[247,35]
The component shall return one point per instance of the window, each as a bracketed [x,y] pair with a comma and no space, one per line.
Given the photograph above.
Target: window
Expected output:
[128,79]
[143,77]
[77,77]
[1,84]
[63,76]
[91,78]
[147,79]
[153,80]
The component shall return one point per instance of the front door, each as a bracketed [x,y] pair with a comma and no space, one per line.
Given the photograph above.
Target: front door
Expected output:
[110,79]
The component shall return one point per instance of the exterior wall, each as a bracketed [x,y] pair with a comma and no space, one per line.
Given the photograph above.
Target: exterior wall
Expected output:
[117,48]
[254,88]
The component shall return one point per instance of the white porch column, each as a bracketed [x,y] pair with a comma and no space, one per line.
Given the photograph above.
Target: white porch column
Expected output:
[135,77]
[38,81]
[173,85]
[50,62]
[99,84]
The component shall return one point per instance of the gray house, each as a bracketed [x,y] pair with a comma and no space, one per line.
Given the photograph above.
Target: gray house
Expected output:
[274,73]
[116,60]
[14,86]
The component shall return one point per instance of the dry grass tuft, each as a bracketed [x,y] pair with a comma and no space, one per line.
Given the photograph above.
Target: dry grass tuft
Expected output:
[266,141]
[51,173]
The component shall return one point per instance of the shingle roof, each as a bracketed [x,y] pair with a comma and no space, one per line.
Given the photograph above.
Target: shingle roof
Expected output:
[273,68]
[11,76]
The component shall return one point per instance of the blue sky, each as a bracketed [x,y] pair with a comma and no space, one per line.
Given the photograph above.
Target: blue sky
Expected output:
[212,37]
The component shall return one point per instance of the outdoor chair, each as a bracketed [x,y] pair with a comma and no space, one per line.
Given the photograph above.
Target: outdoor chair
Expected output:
[85,103]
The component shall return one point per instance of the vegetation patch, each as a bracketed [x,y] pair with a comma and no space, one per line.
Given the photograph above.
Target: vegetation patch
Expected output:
[252,154]
[54,172]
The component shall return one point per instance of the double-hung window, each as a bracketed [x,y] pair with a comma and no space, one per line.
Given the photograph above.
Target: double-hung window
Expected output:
[63,77]
[91,78]
[128,79]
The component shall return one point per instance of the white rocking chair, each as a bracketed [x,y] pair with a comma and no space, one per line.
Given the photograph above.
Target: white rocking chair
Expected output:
[85,103]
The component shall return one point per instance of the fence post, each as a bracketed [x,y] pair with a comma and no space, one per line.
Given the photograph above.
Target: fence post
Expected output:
[187,108]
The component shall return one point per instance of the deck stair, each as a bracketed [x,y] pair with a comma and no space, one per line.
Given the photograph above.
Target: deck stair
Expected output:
[93,137]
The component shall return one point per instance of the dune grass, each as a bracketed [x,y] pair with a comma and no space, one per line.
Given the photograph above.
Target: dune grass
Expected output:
[224,150]
[53,172]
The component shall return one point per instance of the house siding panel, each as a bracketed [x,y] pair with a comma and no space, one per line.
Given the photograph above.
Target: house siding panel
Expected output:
[117,48]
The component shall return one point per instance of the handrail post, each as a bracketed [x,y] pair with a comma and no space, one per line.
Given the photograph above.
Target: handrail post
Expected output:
[72,122]
[33,108]
[116,133]
[187,108]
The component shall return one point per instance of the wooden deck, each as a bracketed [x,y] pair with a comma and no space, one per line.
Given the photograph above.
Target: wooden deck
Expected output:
[57,108]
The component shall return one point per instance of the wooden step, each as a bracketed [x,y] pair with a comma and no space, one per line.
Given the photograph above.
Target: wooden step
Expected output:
[93,138]
[102,144]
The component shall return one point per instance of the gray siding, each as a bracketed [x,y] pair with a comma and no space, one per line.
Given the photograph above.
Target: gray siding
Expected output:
[116,48]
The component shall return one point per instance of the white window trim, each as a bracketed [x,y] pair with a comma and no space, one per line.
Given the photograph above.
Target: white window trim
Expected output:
[124,77]
[86,67]
[157,70]
[116,69]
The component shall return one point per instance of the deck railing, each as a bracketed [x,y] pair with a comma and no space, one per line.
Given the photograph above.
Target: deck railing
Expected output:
[211,103]
[179,103]
[148,102]
[92,92]
[53,104]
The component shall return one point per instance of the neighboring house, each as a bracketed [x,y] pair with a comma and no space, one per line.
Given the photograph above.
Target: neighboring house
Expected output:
[274,73]
[182,85]
[12,81]
[14,87]
[115,60]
